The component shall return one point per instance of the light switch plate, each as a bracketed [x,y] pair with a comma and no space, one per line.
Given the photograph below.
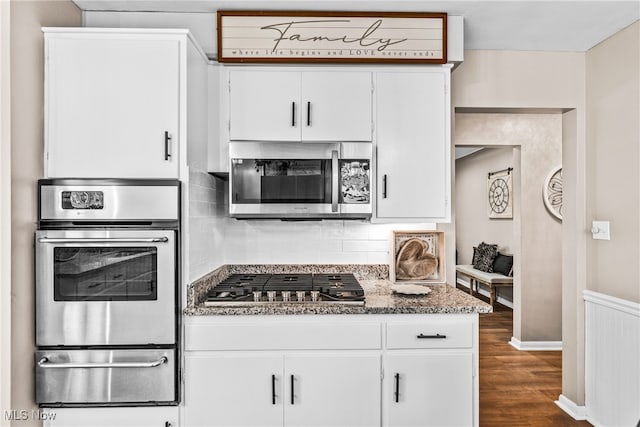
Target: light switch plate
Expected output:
[600,230]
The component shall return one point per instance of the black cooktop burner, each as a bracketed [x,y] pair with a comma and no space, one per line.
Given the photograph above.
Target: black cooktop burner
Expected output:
[289,282]
[259,288]
[343,286]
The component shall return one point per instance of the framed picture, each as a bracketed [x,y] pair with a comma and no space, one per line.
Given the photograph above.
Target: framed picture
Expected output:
[500,194]
[332,37]
[417,257]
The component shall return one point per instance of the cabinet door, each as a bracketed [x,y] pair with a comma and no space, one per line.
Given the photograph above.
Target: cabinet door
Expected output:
[412,138]
[165,416]
[233,390]
[432,389]
[332,390]
[336,106]
[264,106]
[108,105]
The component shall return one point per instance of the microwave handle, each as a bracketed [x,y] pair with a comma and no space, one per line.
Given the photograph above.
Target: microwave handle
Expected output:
[105,240]
[335,184]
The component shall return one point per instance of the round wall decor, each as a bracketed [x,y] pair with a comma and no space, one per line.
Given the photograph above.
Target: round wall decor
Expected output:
[499,195]
[552,192]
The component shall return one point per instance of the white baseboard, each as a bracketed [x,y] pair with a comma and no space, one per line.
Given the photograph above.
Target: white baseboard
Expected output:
[536,345]
[567,405]
[499,299]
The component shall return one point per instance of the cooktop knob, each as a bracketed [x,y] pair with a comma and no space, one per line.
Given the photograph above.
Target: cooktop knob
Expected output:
[300,295]
[271,296]
[315,295]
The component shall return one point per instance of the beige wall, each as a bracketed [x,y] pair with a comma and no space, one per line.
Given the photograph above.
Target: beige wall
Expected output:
[538,258]
[27,17]
[506,79]
[473,224]
[5,212]
[613,154]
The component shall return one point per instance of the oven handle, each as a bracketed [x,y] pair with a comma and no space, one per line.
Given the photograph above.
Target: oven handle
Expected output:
[44,363]
[103,240]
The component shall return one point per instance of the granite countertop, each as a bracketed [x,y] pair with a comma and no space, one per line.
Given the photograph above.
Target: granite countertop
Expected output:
[379,298]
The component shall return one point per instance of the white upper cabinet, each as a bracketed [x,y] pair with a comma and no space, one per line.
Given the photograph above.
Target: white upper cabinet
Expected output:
[413,139]
[115,103]
[274,105]
[264,106]
[336,106]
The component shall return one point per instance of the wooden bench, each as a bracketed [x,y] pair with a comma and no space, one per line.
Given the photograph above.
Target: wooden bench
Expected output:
[492,280]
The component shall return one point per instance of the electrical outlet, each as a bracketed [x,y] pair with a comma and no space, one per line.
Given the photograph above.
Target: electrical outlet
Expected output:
[600,230]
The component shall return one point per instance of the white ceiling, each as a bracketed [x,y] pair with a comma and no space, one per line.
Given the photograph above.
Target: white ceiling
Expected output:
[494,25]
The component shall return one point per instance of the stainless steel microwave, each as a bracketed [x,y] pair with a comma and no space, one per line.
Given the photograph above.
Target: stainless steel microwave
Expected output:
[300,180]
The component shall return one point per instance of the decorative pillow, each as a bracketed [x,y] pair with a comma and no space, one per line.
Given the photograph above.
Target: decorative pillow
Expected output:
[503,264]
[486,255]
[476,256]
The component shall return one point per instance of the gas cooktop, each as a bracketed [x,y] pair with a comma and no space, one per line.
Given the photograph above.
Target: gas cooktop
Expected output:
[287,288]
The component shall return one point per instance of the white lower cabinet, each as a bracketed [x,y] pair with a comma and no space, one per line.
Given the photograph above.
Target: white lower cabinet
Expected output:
[331,370]
[332,390]
[165,416]
[233,390]
[317,389]
[428,389]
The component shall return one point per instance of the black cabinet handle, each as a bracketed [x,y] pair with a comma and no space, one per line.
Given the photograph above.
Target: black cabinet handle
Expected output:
[436,336]
[384,186]
[308,113]
[293,114]
[273,389]
[397,392]
[167,139]
[292,395]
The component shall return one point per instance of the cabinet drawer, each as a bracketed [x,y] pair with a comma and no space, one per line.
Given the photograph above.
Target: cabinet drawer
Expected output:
[430,334]
[283,336]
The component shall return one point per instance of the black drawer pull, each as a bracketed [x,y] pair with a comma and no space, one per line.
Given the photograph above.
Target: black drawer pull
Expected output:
[293,114]
[384,186]
[292,395]
[397,392]
[436,336]
[167,140]
[273,389]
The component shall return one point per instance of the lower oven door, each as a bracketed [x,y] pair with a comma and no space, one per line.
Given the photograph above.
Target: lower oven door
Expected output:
[105,377]
[105,287]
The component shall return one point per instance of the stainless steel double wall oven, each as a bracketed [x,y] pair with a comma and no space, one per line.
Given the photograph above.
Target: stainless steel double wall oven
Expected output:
[107,268]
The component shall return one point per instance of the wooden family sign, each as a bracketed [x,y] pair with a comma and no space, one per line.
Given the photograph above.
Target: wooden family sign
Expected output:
[365,37]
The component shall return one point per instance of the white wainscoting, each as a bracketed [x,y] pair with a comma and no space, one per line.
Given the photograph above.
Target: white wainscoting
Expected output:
[612,360]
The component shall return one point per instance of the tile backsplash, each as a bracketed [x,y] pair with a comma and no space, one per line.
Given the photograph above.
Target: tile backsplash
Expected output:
[216,239]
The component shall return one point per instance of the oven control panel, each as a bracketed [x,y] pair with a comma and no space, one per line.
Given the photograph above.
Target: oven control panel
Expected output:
[82,200]
[108,201]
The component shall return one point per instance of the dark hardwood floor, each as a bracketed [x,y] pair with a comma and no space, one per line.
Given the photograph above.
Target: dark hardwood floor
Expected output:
[517,388]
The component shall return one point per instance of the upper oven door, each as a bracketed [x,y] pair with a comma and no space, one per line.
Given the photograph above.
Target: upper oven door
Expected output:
[105,287]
